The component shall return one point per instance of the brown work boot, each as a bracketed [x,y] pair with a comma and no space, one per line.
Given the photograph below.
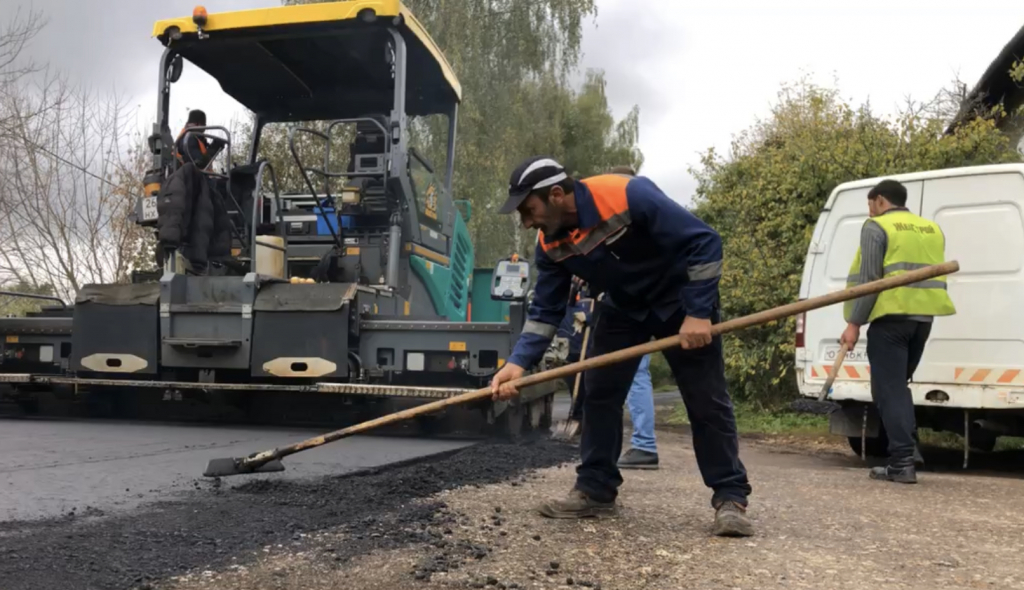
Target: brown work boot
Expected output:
[731,521]
[577,505]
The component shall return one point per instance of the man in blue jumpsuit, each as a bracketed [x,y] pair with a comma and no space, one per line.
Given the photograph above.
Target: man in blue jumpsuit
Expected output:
[659,268]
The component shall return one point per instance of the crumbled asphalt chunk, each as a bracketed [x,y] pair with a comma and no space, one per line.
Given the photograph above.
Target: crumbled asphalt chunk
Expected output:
[210,529]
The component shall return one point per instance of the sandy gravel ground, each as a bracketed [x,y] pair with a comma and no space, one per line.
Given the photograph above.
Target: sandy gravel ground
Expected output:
[821,524]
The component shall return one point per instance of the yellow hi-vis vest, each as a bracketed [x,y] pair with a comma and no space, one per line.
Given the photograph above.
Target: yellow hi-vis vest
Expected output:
[912,243]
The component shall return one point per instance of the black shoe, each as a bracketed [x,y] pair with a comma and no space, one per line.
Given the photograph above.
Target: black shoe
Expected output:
[901,471]
[731,521]
[637,459]
[577,505]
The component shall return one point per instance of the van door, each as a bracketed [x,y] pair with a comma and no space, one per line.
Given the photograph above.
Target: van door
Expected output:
[982,219]
[839,243]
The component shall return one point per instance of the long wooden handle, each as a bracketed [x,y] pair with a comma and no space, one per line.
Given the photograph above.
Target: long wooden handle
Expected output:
[762,317]
[583,357]
[845,348]
[579,376]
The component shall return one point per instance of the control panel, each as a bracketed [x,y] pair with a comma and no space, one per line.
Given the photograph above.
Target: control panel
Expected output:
[511,279]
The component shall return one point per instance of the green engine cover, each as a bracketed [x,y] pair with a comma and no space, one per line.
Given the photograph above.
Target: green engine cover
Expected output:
[449,286]
[486,309]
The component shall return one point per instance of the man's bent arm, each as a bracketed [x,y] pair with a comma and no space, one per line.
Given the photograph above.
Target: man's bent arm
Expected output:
[872,256]
[698,246]
[546,311]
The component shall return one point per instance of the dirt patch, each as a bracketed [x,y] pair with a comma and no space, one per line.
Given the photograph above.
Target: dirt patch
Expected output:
[217,528]
[821,523]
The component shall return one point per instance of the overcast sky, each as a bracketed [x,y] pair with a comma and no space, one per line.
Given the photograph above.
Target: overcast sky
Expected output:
[700,71]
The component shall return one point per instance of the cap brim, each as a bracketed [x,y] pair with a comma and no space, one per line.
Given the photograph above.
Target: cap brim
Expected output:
[513,202]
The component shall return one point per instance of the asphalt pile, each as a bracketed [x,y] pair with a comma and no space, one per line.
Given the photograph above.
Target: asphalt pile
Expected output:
[214,526]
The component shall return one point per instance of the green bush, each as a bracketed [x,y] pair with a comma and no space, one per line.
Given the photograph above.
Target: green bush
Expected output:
[766,196]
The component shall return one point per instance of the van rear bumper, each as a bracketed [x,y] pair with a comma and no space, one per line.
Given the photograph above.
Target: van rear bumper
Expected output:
[951,395]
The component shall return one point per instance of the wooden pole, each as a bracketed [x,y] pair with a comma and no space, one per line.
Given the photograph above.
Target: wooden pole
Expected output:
[256,460]
[583,357]
[845,348]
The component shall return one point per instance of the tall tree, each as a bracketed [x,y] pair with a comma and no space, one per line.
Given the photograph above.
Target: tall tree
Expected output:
[69,173]
[514,59]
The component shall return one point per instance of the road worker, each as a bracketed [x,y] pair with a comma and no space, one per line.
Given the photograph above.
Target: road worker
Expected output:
[196,149]
[658,267]
[894,241]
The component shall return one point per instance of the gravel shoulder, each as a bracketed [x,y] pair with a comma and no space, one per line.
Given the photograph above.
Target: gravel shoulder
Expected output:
[821,524]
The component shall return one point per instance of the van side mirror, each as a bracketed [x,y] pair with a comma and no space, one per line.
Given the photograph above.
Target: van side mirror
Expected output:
[465,208]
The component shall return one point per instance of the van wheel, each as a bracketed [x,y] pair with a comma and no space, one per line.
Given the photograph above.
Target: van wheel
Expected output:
[875,447]
[983,440]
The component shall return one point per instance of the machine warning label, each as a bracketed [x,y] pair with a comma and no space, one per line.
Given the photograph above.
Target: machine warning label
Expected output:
[457,346]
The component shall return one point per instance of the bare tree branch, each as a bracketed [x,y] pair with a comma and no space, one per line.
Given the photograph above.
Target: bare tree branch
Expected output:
[70,173]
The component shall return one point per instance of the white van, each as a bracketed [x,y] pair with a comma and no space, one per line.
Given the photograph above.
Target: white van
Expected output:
[972,372]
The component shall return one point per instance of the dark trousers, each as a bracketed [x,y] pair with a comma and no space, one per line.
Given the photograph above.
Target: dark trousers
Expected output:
[895,347]
[700,374]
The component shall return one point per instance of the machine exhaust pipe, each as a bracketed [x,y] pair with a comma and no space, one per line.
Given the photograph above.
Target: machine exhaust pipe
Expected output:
[394,243]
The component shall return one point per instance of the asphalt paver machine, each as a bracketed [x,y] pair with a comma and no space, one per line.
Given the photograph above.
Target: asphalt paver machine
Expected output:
[358,284]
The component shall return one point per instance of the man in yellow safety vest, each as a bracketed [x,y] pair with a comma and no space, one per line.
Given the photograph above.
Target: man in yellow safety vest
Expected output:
[892,242]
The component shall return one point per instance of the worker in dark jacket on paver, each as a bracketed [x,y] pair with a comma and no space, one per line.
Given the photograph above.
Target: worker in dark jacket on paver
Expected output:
[195,149]
[659,268]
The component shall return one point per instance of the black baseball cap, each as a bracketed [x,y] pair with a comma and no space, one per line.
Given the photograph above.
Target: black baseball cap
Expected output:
[535,173]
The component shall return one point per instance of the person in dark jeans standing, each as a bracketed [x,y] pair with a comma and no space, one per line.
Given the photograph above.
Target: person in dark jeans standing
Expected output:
[658,267]
[894,241]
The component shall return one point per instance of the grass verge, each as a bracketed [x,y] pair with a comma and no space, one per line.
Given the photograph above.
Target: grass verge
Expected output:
[751,419]
[951,440]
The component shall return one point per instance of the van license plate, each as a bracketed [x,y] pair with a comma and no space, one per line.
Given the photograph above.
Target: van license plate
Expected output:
[857,355]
